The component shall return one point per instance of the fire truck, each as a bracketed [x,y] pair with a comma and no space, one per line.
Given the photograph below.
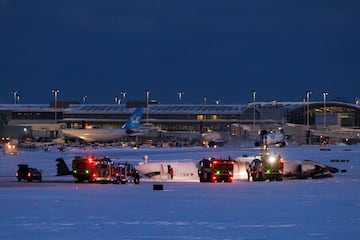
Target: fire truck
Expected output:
[128,173]
[216,170]
[269,167]
[93,169]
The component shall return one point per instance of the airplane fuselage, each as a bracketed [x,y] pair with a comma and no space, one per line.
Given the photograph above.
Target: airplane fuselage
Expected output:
[181,171]
[272,138]
[96,135]
[188,171]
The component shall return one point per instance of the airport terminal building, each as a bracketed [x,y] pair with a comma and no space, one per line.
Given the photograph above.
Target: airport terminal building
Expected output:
[301,120]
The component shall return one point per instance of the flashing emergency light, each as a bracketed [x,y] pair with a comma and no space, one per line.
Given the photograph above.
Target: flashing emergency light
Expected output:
[87,171]
[218,172]
[75,171]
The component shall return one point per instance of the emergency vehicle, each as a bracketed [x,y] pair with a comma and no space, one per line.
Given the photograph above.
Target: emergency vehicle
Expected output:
[128,173]
[216,170]
[93,169]
[269,167]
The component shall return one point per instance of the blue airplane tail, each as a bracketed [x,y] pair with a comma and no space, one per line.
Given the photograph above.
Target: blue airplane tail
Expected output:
[134,120]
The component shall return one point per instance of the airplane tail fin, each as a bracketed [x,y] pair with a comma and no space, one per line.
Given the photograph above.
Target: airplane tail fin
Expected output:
[62,168]
[134,120]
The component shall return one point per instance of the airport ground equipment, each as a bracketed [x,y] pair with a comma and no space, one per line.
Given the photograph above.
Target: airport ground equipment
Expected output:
[269,167]
[216,170]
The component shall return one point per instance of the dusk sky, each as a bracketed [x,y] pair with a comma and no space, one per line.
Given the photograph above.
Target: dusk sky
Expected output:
[219,49]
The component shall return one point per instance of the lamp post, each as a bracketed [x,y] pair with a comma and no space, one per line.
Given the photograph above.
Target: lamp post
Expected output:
[180,94]
[307,109]
[55,92]
[117,100]
[147,105]
[14,96]
[357,101]
[254,100]
[123,94]
[324,95]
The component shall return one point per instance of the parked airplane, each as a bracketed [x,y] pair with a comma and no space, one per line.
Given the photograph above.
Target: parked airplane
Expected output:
[130,128]
[271,138]
[210,136]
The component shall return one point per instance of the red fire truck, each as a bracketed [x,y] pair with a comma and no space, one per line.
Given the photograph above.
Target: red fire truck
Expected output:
[93,169]
[128,173]
[216,170]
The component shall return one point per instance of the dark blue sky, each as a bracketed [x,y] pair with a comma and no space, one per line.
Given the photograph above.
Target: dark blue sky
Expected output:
[219,49]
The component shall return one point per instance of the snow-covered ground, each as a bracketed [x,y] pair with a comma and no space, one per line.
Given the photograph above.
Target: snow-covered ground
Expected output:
[292,209]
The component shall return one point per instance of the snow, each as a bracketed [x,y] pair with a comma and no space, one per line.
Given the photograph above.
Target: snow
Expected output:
[292,209]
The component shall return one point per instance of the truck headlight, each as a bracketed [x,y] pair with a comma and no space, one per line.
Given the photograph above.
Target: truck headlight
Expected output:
[272,159]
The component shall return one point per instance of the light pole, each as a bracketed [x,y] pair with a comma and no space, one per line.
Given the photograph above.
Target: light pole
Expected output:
[324,95]
[14,96]
[147,105]
[180,94]
[123,94]
[307,109]
[254,100]
[55,91]
[117,100]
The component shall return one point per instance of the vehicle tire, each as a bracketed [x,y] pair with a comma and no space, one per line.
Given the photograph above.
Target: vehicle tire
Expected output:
[201,178]
[19,179]
[136,180]
[40,179]
[254,177]
[79,180]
